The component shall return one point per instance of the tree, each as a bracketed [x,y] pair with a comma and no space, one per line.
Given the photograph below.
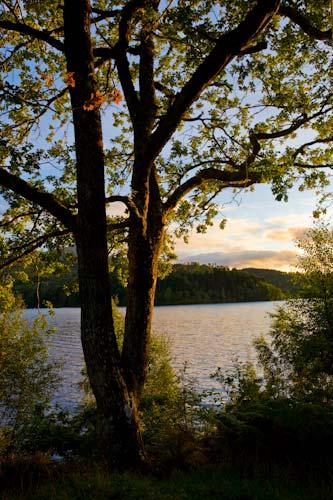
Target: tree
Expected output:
[298,362]
[197,118]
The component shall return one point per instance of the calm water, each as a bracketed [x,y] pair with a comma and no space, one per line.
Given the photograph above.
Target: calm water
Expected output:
[203,336]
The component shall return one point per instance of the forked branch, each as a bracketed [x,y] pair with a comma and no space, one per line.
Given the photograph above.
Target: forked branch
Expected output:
[229,45]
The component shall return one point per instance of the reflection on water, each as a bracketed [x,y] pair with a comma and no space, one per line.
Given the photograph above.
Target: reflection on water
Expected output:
[204,336]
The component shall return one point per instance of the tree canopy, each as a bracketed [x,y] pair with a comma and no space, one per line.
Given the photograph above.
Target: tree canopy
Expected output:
[159,106]
[233,104]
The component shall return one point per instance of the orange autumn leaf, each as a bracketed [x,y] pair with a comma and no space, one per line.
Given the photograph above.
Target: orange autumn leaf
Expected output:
[115,96]
[69,79]
[95,101]
[47,78]
[88,107]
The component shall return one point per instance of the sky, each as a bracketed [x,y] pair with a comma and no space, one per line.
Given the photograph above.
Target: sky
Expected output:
[260,231]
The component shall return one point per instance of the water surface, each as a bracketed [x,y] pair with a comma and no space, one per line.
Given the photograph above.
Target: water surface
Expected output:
[202,336]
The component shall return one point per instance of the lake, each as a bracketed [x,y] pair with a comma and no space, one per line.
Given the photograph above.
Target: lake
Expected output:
[202,336]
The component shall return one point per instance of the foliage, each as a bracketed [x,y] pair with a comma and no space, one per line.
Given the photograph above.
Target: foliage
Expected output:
[170,408]
[298,361]
[285,281]
[28,378]
[185,284]
[275,431]
[187,121]
[174,420]
[196,283]
[283,406]
[255,104]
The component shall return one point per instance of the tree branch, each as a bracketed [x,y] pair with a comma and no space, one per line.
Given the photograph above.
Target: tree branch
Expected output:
[304,23]
[214,161]
[9,222]
[146,74]
[127,201]
[228,179]
[46,106]
[118,198]
[228,46]
[41,198]
[253,49]
[28,248]
[104,14]
[106,53]
[292,128]
[122,62]
[113,226]
[13,52]
[33,32]
[256,137]
[301,149]
[308,166]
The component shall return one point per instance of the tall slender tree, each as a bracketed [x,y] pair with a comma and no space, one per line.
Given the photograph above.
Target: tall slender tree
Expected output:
[197,97]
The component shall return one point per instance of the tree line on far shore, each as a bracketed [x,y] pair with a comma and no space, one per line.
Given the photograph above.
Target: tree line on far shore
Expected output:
[192,283]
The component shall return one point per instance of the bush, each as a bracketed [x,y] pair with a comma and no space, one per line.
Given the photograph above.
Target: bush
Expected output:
[27,379]
[298,361]
[275,430]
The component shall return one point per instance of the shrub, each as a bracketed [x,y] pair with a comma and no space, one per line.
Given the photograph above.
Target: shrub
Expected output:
[27,379]
[275,430]
[297,362]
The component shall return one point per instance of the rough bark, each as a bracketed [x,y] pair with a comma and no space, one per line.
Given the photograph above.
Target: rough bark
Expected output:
[143,254]
[144,246]
[118,427]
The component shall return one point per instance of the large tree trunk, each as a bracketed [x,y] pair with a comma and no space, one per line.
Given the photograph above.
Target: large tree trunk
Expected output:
[146,226]
[144,245]
[143,256]
[118,425]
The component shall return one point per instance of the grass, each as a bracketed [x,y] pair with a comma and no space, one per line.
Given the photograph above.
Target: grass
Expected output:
[218,482]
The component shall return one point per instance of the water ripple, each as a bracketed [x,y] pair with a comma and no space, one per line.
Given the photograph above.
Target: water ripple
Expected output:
[202,336]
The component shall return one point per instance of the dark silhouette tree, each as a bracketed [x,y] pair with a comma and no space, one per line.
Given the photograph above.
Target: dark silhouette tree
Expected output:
[197,94]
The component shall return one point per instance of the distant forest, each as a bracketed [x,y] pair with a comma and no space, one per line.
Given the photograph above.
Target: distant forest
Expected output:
[186,284]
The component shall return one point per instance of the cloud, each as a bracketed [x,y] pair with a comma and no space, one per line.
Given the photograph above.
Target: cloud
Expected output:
[289,234]
[243,231]
[268,242]
[283,260]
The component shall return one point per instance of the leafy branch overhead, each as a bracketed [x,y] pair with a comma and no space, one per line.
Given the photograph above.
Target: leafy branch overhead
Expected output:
[139,52]
[119,124]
